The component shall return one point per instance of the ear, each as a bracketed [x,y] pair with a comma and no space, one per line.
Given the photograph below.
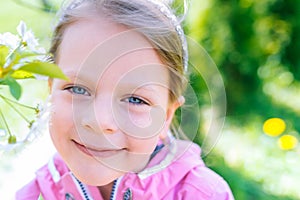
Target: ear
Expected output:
[50,82]
[172,107]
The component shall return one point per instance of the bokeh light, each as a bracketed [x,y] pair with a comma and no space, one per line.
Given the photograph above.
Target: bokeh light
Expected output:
[287,142]
[274,127]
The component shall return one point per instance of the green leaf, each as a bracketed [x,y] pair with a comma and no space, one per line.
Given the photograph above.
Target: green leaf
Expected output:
[14,87]
[20,74]
[43,68]
[4,51]
[18,55]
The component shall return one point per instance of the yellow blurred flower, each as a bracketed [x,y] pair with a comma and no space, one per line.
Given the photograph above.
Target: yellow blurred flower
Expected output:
[274,127]
[287,142]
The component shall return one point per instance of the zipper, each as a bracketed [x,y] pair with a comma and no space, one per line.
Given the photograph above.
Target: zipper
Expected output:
[115,183]
[113,190]
[85,194]
[83,190]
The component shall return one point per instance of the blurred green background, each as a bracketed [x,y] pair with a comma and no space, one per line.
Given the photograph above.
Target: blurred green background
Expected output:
[255,45]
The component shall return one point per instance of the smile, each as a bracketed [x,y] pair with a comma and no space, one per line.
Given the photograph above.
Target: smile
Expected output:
[97,152]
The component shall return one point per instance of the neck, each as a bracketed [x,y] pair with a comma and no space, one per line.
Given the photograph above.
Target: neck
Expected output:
[106,190]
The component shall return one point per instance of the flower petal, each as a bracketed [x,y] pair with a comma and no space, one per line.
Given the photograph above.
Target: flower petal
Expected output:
[22,28]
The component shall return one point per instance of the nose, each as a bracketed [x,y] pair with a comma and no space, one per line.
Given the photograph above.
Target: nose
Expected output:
[100,117]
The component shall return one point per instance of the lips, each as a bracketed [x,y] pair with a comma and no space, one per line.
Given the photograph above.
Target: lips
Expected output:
[91,151]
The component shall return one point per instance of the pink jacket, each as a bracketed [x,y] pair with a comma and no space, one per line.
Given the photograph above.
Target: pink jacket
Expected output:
[174,173]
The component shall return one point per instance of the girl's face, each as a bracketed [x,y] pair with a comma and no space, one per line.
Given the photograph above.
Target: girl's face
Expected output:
[107,119]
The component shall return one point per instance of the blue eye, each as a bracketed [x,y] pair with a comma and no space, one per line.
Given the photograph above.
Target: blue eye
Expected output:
[136,101]
[78,90]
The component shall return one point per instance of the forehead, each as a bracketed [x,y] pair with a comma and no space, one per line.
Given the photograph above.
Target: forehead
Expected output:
[92,47]
[85,34]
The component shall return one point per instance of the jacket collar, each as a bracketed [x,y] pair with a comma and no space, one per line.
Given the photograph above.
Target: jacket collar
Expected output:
[168,167]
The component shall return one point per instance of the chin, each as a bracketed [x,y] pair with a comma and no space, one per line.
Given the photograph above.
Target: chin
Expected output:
[97,179]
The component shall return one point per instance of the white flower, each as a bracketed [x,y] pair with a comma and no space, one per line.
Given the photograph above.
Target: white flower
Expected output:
[30,40]
[28,37]
[22,29]
[24,48]
[39,126]
[10,40]
[41,50]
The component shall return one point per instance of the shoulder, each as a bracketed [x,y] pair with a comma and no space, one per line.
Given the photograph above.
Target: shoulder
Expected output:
[206,184]
[29,191]
[199,180]
[44,183]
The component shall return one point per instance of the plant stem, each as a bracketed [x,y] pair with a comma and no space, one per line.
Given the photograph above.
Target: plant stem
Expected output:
[16,110]
[5,123]
[7,66]
[15,102]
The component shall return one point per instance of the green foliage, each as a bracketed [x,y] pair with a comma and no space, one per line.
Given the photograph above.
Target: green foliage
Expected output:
[246,37]
[44,68]
[255,44]
[21,57]
[241,186]
[4,51]
[14,87]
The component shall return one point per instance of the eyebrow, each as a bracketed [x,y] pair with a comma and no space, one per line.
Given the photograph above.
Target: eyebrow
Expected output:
[86,79]
[134,87]
[80,78]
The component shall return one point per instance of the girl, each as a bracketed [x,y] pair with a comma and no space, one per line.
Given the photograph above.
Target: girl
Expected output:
[110,122]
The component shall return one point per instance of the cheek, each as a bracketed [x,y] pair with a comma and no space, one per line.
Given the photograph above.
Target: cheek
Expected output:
[140,119]
[60,117]
[141,124]
[143,147]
